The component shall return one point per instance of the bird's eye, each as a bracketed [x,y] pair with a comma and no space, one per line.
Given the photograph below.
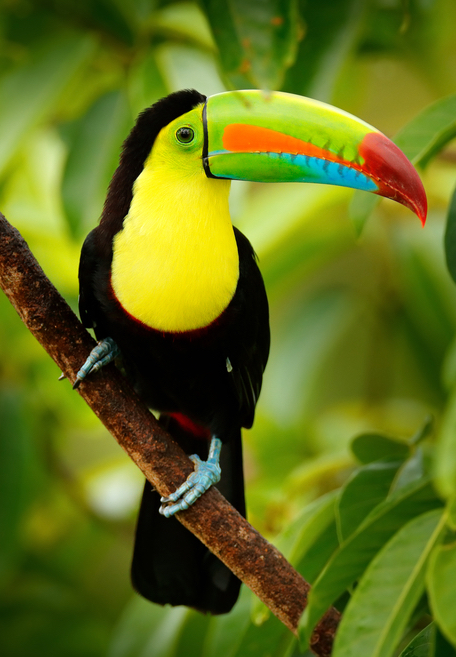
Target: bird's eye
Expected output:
[185,135]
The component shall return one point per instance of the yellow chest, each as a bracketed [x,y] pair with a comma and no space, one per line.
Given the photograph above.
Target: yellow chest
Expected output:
[175,262]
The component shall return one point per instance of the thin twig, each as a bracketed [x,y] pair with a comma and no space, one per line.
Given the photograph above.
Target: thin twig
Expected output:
[212,519]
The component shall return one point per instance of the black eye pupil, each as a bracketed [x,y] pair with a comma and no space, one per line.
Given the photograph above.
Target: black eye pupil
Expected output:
[185,135]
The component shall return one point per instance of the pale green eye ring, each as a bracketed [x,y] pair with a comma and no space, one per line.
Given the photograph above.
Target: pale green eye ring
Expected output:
[185,135]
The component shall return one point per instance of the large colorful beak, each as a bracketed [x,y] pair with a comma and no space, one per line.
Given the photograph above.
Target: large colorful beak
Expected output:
[279,137]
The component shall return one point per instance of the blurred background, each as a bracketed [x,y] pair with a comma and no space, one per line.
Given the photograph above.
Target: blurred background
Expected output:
[363,314]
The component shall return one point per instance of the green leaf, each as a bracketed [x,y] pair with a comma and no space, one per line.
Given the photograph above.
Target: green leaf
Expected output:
[319,553]
[412,470]
[143,624]
[16,482]
[377,615]
[94,154]
[442,647]
[429,643]
[183,20]
[268,638]
[426,134]
[125,20]
[450,237]
[32,91]
[323,318]
[353,556]
[361,206]
[370,447]
[441,578]
[366,488]
[423,645]
[445,453]
[226,632]
[331,35]
[183,67]
[193,634]
[257,40]
[297,538]
[452,513]
[423,432]
[145,84]
[427,293]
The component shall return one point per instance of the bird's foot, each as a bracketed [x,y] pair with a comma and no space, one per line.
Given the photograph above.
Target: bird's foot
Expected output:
[105,352]
[206,474]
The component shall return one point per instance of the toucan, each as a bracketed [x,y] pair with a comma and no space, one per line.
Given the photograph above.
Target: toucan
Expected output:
[174,293]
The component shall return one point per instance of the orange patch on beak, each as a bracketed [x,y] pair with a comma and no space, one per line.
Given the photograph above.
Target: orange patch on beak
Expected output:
[244,138]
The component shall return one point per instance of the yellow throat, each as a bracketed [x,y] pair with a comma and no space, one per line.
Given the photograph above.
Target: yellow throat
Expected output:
[175,262]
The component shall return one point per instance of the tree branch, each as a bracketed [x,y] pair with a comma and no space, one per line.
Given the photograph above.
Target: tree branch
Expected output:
[212,519]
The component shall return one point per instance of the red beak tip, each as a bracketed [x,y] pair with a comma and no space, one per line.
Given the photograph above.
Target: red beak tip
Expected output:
[396,175]
[418,203]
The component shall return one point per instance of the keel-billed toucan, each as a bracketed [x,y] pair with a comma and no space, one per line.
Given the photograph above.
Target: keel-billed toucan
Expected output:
[174,290]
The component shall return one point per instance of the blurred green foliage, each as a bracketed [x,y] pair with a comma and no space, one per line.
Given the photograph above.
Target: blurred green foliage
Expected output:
[363,328]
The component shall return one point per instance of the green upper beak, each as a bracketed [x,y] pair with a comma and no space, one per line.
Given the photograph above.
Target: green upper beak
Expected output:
[279,137]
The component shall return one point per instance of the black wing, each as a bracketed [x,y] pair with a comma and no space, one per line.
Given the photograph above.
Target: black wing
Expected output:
[252,339]
[87,264]
[94,277]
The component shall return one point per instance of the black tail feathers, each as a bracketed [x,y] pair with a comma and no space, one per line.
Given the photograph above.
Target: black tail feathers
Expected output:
[170,565]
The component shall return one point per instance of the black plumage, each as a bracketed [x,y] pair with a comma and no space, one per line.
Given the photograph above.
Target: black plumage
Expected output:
[212,376]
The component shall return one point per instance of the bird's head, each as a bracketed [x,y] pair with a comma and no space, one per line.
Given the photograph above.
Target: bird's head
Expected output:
[268,137]
[278,137]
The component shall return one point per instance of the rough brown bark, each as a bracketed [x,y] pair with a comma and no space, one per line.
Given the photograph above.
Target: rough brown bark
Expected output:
[216,523]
